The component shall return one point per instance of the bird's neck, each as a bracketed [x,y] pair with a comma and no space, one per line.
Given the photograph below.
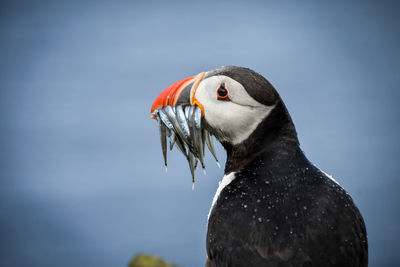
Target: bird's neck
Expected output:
[275,139]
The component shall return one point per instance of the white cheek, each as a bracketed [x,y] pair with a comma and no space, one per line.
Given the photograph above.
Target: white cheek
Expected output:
[236,120]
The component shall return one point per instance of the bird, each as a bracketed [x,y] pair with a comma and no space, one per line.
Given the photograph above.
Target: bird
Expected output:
[273,207]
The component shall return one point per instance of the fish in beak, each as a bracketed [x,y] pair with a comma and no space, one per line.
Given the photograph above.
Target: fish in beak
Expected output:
[180,118]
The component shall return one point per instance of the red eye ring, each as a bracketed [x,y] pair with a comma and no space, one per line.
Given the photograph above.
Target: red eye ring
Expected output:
[222,92]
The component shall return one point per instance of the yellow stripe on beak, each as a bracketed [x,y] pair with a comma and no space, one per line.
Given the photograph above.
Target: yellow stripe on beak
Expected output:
[193,100]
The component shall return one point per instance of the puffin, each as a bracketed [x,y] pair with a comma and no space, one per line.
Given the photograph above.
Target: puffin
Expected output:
[273,207]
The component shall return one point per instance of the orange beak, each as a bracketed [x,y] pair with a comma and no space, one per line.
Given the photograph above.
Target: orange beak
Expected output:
[170,96]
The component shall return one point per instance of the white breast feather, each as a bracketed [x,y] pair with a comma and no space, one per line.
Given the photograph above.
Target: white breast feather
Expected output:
[226,180]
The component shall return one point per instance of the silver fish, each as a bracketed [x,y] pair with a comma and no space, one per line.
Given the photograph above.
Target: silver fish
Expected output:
[182,122]
[195,133]
[192,162]
[163,137]
[210,145]
[187,108]
[192,129]
[191,111]
[173,119]
[165,120]
[197,117]
[172,140]
[181,146]
[201,144]
[183,126]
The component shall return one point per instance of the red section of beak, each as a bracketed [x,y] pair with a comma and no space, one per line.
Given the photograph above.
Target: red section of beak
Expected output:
[170,95]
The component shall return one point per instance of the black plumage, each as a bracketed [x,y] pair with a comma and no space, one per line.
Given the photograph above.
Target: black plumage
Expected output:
[280,210]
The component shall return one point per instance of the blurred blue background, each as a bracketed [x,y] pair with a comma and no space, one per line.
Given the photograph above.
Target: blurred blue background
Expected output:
[82,179]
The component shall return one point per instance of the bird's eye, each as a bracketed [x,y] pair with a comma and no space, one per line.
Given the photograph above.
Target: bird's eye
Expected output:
[222,93]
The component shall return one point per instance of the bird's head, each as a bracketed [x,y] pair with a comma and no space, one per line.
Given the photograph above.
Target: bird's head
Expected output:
[229,103]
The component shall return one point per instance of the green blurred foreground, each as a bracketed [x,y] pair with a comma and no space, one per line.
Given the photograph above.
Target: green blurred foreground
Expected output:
[143,260]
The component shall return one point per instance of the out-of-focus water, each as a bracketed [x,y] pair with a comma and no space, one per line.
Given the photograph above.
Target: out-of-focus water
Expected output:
[82,179]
